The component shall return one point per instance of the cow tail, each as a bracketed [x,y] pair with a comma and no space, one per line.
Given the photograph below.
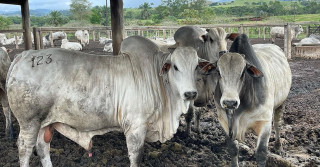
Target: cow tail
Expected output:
[11,129]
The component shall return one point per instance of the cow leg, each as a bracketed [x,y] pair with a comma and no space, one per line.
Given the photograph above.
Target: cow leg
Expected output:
[263,131]
[135,138]
[43,145]
[27,140]
[7,114]
[197,121]
[189,117]
[233,149]
[277,123]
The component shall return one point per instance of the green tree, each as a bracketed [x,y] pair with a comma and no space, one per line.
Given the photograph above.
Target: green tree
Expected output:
[80,9]
[160,13]
[55,18]
[207,15]
[146,10]
[5,22]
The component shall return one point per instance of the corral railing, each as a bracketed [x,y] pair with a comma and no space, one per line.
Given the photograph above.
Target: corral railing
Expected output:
[252,30]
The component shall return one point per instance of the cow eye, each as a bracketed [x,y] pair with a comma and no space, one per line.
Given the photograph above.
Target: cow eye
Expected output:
[242,73]
[176,68]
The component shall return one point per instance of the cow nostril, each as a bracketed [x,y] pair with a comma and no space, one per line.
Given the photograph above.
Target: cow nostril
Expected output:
[230,104]
[190,95]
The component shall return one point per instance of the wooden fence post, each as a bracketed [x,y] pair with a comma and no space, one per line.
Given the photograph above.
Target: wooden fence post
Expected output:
[94,35]
[308,30]
[51,39]
[41,40]
[36,39]
[259,31]
[16,40]
[287,40]
[164,34]
[99,34]
[264,33]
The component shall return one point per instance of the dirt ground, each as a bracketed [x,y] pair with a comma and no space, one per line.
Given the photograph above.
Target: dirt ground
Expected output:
[300,133]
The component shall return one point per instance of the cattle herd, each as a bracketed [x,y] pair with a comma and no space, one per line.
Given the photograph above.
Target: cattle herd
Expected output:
[144,90]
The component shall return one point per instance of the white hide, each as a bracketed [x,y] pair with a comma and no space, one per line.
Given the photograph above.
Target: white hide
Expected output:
[82,37]
[278,32]
[70,45]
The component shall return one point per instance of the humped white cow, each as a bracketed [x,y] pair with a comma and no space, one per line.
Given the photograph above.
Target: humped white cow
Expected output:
[254,81]
[141,92]
[82,37]
[65,44]
[278,32]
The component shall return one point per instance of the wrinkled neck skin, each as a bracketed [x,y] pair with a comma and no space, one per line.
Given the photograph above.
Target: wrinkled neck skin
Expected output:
[163,124]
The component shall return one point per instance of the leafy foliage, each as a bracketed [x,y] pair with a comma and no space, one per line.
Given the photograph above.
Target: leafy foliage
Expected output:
[4,22]
[80,9]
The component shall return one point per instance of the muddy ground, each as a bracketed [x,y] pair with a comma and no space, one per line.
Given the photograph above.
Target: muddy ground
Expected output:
[300,133]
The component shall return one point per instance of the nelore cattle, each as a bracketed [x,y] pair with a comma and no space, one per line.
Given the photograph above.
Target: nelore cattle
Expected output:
[65,44]
[142,92]
[253,83]
[278,32]
[82,37]
[4,67]
[210,44]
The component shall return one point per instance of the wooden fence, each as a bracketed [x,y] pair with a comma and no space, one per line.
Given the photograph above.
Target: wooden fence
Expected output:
[252,30]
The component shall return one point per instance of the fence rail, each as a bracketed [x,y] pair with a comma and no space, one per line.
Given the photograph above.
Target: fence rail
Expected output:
[252,30]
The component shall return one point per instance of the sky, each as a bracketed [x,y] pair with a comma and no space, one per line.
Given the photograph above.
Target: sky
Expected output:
[64,4]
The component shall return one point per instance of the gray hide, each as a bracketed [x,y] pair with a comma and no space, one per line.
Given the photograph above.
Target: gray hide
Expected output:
[209,45]
[82,95]
[4,67]
[253,84]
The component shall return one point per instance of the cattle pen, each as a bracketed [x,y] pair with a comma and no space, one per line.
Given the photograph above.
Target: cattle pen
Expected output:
[163,32]
[300,134]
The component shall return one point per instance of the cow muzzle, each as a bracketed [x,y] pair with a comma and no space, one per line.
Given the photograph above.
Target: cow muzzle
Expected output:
[190,95]
[230,104]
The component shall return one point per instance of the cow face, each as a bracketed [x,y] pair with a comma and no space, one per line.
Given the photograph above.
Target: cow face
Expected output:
[181,68]
[233,69]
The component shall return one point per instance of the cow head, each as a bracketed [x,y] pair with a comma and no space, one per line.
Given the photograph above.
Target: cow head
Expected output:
[216,39]
[233,70]
[298,29]
[181,68]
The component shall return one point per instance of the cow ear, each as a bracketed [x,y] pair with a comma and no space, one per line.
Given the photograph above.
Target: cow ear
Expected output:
[205,67]
[254,71]
[232,36]
[203,38]
[166,66]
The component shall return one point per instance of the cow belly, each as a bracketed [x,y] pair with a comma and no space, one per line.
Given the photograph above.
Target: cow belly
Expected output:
[80,137]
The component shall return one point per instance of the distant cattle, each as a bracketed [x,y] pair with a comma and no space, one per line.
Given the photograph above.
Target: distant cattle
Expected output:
[108,47]
[82,37]
[60,35]
[104,40]
[278,32]
[254,81]
[209,43]
[4,67]
[311,40]
[65,44]
[141,92]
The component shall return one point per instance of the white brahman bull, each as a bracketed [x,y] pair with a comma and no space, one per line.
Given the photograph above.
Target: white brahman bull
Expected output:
[141,91]
[254,81]
[278,32]
[65,44]
[83,37]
